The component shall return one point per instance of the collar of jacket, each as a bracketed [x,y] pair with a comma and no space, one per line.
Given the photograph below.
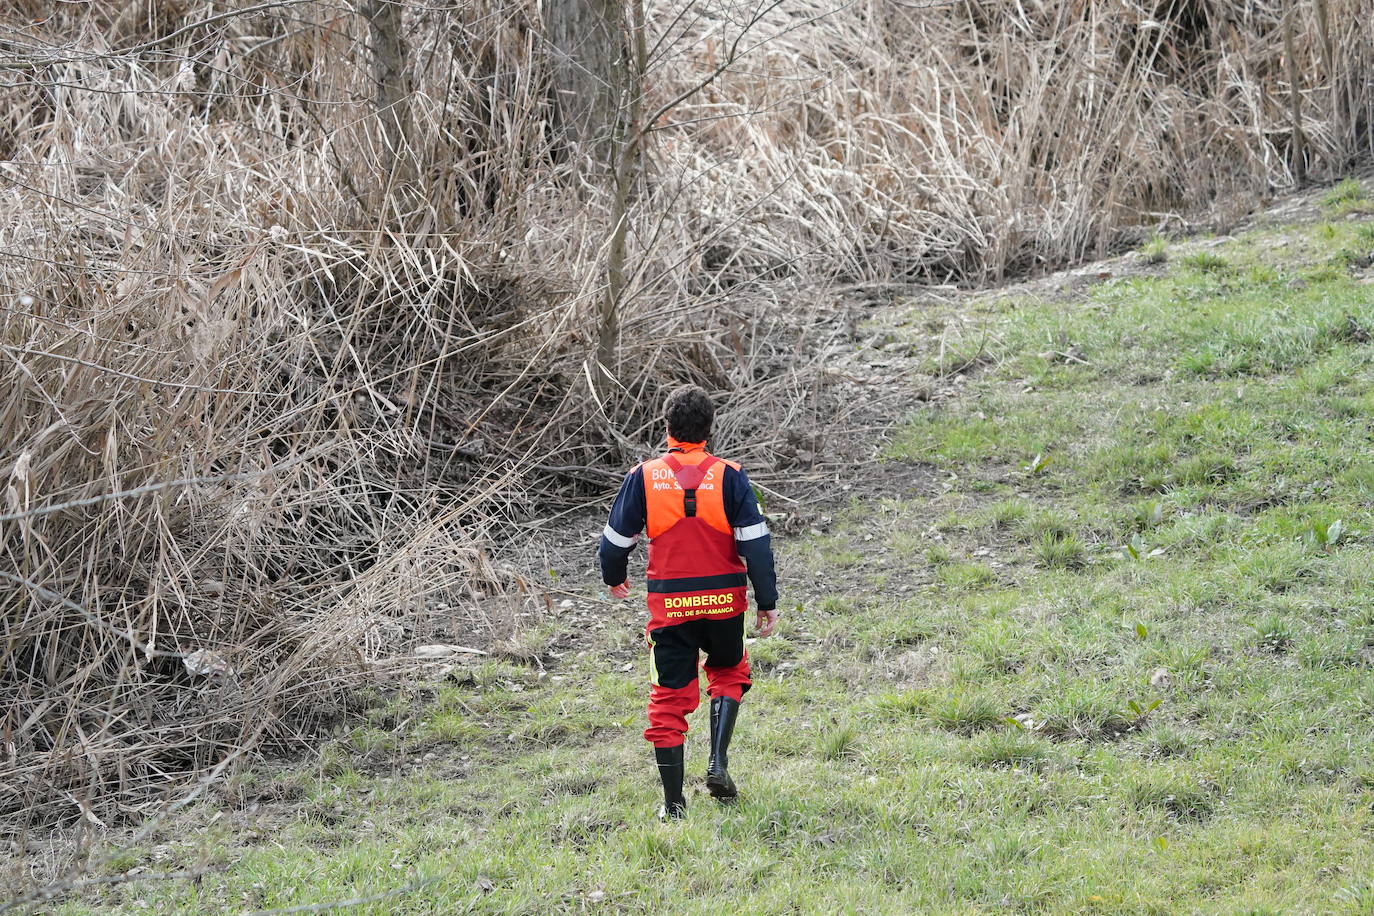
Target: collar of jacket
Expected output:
[675,446]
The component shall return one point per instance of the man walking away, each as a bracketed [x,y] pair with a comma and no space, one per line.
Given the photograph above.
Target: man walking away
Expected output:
[705,533]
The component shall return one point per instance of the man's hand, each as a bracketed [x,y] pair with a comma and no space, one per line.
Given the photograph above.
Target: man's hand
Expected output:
[765,622]
[620,591]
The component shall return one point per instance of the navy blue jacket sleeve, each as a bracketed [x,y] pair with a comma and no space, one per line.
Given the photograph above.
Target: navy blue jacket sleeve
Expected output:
[622,529]
[752,540]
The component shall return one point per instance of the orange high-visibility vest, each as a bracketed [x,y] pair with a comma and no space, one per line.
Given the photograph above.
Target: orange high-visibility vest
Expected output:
[694,568]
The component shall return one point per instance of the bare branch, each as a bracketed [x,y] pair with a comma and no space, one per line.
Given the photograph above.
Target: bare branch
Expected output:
[158,487]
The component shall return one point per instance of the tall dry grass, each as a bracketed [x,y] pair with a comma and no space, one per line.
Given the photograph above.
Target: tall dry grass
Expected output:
[259,403]
[969,141]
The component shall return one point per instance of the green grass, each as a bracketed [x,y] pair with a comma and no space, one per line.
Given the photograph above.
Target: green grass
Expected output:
[1347,196]
[1155,251]
[989,706]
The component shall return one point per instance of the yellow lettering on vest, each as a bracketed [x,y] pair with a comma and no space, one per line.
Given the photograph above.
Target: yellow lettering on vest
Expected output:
[710,602]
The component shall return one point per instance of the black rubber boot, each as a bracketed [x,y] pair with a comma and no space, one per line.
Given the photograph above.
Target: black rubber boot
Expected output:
[670,769]
[718,781]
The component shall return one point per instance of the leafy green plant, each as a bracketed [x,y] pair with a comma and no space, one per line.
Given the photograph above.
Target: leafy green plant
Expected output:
[1325,535]
[1038,465]
[1134,548]
[1142,710]
[1148,514]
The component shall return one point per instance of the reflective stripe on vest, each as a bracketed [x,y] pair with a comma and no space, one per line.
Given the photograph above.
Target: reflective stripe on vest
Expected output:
[694,567]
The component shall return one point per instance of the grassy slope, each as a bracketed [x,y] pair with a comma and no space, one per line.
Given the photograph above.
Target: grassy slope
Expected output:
[1216,416]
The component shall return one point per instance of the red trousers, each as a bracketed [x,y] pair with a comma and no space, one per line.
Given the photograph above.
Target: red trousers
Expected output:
[674,656]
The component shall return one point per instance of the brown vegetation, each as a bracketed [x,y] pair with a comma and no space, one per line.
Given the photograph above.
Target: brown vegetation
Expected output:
[320,396]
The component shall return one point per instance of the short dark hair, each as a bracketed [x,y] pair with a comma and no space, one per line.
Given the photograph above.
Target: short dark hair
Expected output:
[689,413]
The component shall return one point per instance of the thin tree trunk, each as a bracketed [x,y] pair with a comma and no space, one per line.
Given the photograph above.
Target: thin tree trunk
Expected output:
[389,70]
[591,74]
[1335,111]
[1296,150]
[608,335]
[626,142]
